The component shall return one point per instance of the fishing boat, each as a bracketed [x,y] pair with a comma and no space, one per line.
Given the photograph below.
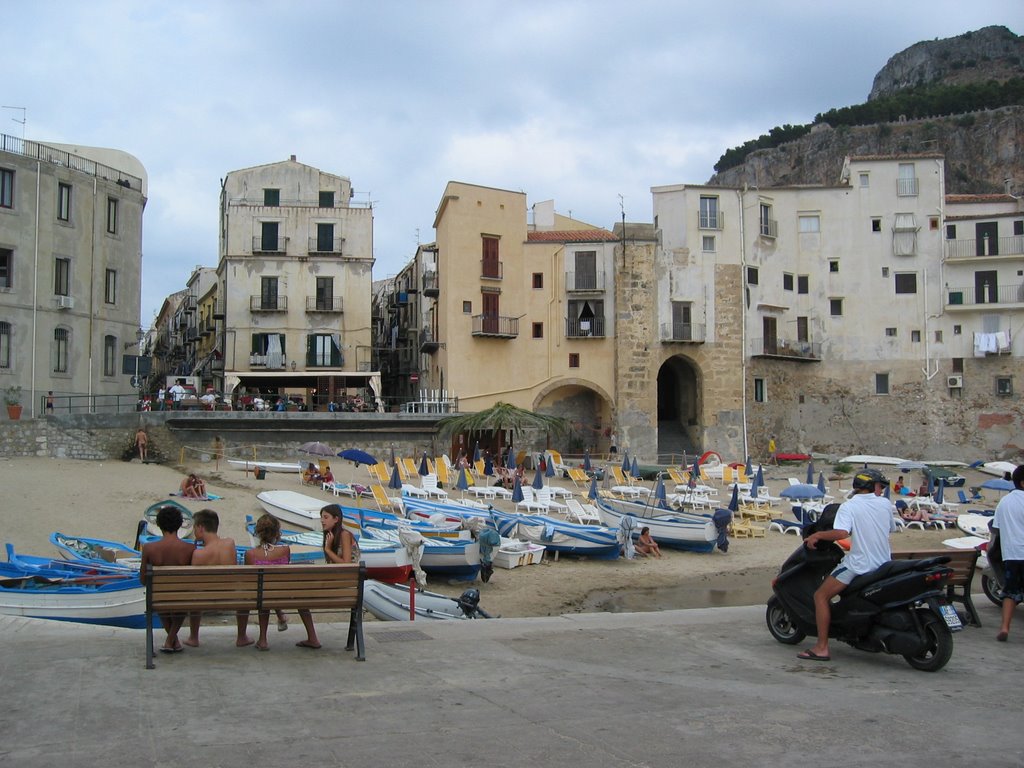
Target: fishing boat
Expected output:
[63,592]
[96,551]
[559,536]
[296,509]
[186,517]
[997,468]
[388,602]
[267,466]
[674,529]
[449,558]
[866,458]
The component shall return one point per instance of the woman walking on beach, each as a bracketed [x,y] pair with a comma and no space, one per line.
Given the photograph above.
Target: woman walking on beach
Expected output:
[269,552]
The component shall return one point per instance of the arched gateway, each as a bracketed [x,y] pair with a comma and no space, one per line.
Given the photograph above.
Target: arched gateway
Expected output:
[679,408]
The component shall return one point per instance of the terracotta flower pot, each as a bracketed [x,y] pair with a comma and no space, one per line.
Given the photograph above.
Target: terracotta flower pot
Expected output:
[14,412]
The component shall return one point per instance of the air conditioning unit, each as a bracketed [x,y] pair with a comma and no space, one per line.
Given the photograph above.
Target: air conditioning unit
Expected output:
[65,302]
[955,381]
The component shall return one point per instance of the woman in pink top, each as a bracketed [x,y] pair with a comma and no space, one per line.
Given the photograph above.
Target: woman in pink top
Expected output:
[269,552]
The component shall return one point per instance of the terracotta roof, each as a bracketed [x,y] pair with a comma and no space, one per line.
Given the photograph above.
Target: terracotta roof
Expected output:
[908,156]
[993,198]
[572,236]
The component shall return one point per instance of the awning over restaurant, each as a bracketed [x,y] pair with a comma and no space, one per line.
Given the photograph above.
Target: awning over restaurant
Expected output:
[303,379]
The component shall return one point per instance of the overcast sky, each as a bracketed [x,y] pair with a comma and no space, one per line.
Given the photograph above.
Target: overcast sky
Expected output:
[579,102]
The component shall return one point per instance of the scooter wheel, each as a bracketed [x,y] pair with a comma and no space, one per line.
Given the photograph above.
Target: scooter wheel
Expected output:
[938,648]
[991,589]
[780,625]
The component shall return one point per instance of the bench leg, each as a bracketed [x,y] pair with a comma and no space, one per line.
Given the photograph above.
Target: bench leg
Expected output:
[149,640]
[355,632]
[972,612]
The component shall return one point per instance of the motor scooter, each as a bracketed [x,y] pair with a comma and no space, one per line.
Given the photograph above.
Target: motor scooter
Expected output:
[899,608]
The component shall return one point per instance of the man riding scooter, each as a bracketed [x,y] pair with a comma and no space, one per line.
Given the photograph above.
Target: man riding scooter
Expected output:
[866,519]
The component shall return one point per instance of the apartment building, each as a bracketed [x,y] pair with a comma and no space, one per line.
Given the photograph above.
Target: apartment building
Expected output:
[70,272]
[294,283]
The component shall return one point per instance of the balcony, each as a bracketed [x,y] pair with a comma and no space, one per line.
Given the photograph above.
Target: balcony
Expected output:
[278,244]
[268,303]
[323,304]
[495,326]
[583,282]
[682,333]
[189,303]
[430,285]
[769,228]
[491,269]
[428,344]
[191,334]
[1005,296]
[987,247]
[710,220]
[262,361]
[786,349]
[218,309]
[906,187]
[325,245]
[585,329]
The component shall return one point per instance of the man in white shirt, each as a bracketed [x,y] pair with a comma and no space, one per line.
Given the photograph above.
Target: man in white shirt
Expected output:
[1009,519]
[866,519]
[177,394]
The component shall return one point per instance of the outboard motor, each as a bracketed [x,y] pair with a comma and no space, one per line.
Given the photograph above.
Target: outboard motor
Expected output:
[469,602]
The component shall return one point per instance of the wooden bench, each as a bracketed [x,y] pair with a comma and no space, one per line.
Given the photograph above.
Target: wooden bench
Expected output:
[182,589]
[958,588]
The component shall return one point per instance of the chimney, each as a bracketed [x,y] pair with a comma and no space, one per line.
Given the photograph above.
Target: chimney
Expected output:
[292,158]
[1008,186]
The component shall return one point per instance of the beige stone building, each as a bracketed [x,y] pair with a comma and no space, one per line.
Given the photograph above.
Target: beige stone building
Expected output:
[70,272]
[294,277]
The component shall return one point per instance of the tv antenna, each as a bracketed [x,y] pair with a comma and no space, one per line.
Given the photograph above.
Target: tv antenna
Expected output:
[24,118]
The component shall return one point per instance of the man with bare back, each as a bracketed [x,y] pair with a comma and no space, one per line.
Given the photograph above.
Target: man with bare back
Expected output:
[168,550]
[216,550]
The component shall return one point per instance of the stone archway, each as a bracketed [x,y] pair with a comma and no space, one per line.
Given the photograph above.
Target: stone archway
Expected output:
[679,408]
[585,405]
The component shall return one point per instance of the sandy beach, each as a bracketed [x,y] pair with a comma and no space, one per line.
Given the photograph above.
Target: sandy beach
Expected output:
[107,499]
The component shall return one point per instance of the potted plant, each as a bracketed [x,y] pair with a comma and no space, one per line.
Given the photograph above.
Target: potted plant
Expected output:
[12,399]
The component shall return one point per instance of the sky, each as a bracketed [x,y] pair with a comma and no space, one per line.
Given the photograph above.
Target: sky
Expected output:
[586,102]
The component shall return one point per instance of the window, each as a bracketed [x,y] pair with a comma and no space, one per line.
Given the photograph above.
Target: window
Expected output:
[906,184]
[682,321]
[709,216]
[957,330]
[915,336]
[906,282]
[885,271]
[751,275]
[110,287]
[62,277]
[707,243]
[272,197]
[490,265]
[538,279]
[958,365]
[835,307]
[802,334]
[933,223]
[268,293]
[325,238]
[833,265]
[1004,386]
[876,225]
[5,345]
[891,332]
[584,318]
[787,281]
[574,359]
[323,349]
[938,337]
[881,383]
[864,180]
[803,284]
[112,215]
[61,345]
[326,198]
[268,343]
[467,307]
[951,231]
[63,202]
[109,355]
[538,330]
[6,188]
[904,235]
[585,277]
[268,240]
[809,223]
[768,226]
[6,268]
[324,301]
[1018,228]
[760,395]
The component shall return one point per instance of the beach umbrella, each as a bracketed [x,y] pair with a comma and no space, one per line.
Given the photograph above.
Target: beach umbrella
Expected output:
[821,483]
[939,492]
[931,484]
[625,461]
[357,456]
[695,474]
[810,473]
[801,491]
[749,468]
[592,494]
[517,492]
[549,466]
[462,484]
[393,462]
[395,481]
[317,449]
[760,475]
[587,467]
[538,479]
[476,452]
[635,471]
[659,493]
[488,465]
[734,502]
[755,486]
[424,469]
[998,484]
[510,461]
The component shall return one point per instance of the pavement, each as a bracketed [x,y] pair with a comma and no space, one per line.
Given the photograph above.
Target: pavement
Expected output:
[693,687]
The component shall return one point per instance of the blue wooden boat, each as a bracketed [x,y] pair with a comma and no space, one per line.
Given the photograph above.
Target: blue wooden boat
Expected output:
[670,528]
[96,552]
[559,535]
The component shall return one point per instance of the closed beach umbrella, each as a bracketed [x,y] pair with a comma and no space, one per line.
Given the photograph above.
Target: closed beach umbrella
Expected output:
[625,461]
[734,502]
[393,462]
[810,473]
[749,467]
[538,479]
[695,474]
[510,460]
[592,493]
[755,485]
[517,492]
[659,493]
[636,469]
[424,469]
[476,452]
[395,481]
[549,466]
[760,476]
[931,484]
[587,467]
[488,465]
[821,483]
[462,484]
[939,492]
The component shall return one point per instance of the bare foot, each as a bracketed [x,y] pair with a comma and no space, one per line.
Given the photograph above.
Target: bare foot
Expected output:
[191,643]
[307,644]
[242,642]
[262,647]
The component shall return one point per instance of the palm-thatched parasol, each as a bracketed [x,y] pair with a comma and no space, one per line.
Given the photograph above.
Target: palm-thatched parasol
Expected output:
[502,417]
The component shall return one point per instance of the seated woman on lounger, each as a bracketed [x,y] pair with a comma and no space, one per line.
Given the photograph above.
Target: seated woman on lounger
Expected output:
[192,487]
[912,515]
[646,545]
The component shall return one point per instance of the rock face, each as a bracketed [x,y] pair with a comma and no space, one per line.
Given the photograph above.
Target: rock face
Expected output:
[992,53]
[982,149]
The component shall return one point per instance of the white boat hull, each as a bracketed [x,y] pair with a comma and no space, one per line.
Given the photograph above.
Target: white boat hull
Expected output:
[269,466]
[121,608]
[391,603]
[669,529]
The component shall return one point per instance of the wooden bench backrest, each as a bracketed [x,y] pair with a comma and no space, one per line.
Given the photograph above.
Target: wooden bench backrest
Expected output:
[962,561]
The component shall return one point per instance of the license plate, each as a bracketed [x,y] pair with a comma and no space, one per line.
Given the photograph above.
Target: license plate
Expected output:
[951,616]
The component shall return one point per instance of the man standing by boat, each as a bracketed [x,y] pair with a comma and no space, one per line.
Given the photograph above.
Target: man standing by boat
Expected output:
[1009,520]
[215,550]
[168,550]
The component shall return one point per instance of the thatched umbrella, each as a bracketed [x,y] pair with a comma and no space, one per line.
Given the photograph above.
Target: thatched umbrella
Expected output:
[501,417]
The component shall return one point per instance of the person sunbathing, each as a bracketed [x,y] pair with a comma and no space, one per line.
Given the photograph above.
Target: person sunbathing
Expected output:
[646,545]
[192,487]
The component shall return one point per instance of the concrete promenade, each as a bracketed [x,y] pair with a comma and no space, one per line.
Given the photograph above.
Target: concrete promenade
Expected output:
[675,688]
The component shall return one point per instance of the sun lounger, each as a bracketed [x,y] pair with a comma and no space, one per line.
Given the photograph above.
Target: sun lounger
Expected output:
[577,513]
